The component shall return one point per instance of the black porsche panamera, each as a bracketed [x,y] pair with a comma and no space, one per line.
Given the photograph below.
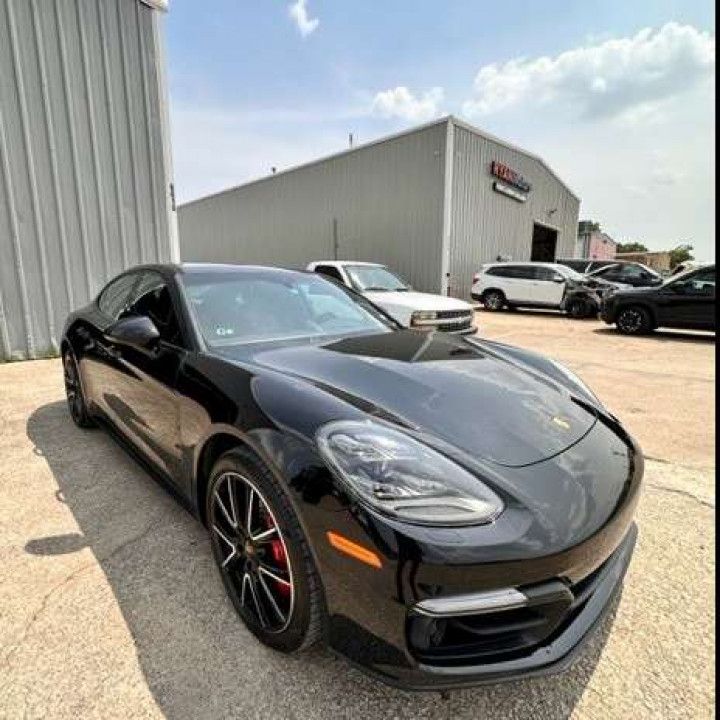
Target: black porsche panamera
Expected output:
[443,511]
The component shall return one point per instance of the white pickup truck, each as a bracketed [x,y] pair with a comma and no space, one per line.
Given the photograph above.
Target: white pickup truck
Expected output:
[422,311]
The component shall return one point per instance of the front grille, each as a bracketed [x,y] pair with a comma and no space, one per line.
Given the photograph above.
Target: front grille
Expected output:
[448,314]
[500,635]
[455,327]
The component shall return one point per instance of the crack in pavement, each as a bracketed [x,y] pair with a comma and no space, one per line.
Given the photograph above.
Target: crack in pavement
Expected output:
[7,660]
[684,493]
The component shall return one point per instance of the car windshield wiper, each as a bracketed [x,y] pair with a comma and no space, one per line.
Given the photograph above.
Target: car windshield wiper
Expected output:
[376,289]
[402,289]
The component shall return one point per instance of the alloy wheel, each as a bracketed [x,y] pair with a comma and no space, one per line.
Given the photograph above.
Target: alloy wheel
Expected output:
[73,391]
[493,301]
[251,551]
[630,321]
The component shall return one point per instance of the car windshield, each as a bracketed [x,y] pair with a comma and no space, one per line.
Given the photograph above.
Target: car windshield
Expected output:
[246,307]
[374,277]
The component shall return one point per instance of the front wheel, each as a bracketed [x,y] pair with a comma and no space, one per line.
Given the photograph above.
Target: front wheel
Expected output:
[262,554]
[634,321]
[74,393]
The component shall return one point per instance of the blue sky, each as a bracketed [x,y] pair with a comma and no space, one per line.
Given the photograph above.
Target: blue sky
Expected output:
[618,97]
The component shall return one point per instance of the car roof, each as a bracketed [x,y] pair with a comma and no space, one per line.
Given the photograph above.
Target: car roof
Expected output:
[204,268]
[340,263]
[534,263]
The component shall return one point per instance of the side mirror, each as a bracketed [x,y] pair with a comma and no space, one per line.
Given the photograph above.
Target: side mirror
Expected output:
[136,331]
[558,279]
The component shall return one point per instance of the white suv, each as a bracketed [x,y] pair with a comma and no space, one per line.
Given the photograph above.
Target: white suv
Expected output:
[423,311]
[517,284]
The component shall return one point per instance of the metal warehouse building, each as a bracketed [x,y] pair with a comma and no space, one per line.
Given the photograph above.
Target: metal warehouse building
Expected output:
[84,158]
[432,203]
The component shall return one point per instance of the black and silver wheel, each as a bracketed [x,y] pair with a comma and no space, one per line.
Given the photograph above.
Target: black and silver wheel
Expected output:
[262,554]
[74,393]
[634,321]
[493,300]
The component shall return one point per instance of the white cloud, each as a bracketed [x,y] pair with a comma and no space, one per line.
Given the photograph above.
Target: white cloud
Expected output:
[299,13]
[399,102]
[611,78]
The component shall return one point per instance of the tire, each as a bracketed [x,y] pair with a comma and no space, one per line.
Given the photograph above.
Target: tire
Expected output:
[272,580]
[578,309]
[634,320]
[74,393]
[493,300]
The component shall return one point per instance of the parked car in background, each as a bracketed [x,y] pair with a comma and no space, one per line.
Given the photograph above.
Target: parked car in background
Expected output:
[387,290]
[535,284]
[616,271]
[684,301]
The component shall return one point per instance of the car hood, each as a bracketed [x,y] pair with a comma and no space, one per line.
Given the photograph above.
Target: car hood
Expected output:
[634,291]
[416,301]
[465,394]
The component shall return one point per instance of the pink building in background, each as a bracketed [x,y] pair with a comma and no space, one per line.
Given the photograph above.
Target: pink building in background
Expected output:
[593,243]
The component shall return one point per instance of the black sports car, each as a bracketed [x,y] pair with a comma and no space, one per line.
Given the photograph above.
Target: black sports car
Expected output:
[442,510]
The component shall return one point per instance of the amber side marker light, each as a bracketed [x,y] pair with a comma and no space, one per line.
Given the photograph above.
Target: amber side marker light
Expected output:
[353,549]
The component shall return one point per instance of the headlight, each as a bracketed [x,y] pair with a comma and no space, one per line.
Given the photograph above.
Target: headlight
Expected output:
[403,478]
[420,317]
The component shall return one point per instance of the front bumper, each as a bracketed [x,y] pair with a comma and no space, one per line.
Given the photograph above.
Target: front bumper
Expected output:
[587,609]
[556,654]
[374,612]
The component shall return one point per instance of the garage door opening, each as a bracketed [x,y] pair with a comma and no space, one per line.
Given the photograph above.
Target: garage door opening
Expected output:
[544,242]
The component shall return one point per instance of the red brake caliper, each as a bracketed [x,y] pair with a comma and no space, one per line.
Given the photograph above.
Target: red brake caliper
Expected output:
[277,551]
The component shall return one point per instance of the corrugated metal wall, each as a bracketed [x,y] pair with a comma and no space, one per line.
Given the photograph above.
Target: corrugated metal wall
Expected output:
[485,224]
[386,199]
[84,160]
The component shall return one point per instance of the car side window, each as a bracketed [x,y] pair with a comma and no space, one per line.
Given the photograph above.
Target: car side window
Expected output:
[547,274]
[631,271]
[700,284]
[497,271]
[114,298]
[152,299]
[525,272]
[329,271]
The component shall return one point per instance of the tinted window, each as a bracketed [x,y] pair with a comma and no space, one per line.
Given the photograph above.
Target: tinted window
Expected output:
[152,298]
[547,274]
[525,272]
[518,272]
[114,297]
[329,271]
[497,271]
[701,283]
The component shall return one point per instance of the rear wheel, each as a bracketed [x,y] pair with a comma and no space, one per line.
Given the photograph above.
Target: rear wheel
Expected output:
[263,556]
[74,393]
[493,300]
[634,320]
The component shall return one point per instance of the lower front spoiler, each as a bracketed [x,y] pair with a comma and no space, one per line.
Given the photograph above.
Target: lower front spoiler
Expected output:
[552,657]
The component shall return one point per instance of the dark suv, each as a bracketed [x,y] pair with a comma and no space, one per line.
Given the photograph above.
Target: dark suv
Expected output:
[686,301]
[624,272]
